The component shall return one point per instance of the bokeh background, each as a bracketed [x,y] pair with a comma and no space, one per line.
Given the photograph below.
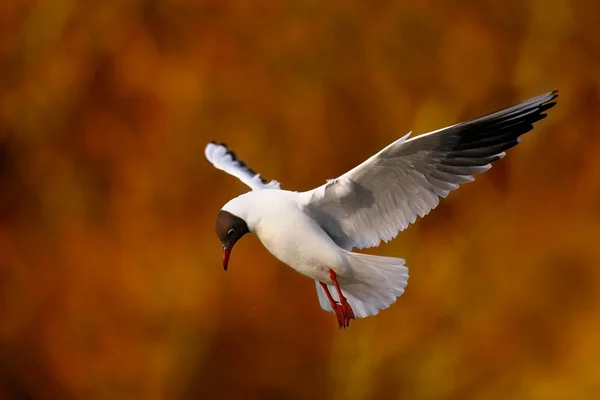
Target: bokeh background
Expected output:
[111,285]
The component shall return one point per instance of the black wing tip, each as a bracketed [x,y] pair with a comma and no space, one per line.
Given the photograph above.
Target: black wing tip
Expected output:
[546,104]
[231,154]
[540,103]
[549,102]
[553,95]
[228,152]
[503,133]
[214,143]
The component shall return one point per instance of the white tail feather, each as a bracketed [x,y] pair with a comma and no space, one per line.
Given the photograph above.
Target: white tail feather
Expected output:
[374,284]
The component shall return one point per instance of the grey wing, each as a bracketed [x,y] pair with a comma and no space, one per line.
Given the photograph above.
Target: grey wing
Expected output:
[383,195]
[224,159]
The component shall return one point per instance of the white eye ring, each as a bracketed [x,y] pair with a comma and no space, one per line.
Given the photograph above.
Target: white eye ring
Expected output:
[229,232]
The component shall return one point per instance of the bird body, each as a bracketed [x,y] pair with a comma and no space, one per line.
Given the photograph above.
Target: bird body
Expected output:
[304,245]
[314,232]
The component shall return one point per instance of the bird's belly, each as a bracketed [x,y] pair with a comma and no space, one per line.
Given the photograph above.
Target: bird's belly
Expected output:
[306,248]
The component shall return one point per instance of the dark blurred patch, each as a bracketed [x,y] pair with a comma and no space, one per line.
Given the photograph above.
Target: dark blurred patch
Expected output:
[10,389]
[24,377]
[7,175]
[16,200]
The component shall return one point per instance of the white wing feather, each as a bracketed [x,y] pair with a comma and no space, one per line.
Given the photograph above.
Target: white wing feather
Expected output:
[225,160]
[383,195]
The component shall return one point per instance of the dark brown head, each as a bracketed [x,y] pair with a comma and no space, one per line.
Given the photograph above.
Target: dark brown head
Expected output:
[229,229]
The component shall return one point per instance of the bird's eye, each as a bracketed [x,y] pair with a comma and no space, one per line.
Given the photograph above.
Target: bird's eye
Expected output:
[230,232]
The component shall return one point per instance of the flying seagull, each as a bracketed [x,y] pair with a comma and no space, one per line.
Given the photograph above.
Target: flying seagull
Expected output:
[314,232]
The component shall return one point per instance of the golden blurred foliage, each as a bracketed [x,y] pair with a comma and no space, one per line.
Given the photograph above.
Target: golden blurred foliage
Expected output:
[110,279]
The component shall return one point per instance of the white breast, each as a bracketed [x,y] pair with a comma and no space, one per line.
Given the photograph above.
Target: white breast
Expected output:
[291,236]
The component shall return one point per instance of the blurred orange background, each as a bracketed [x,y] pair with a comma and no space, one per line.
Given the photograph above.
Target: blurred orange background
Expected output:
[111,284]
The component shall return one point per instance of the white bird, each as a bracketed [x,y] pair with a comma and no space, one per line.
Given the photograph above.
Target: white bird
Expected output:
[314,232]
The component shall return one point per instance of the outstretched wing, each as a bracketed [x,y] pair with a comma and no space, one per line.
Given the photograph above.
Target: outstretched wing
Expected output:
[224,159]
[383,195]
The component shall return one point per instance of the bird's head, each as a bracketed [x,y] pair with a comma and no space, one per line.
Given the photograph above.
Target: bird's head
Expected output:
[230,228]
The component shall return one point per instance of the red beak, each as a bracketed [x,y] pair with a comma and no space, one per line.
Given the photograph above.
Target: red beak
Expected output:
[226,253]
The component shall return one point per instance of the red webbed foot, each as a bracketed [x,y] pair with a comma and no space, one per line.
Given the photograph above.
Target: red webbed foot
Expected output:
[348,310]
[343,311]
[340,313]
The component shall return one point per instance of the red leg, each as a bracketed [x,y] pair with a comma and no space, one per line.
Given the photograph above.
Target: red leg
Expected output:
[348,312]
[337,308]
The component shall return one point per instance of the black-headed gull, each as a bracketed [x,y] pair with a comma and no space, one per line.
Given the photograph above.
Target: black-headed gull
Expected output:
[314,232]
